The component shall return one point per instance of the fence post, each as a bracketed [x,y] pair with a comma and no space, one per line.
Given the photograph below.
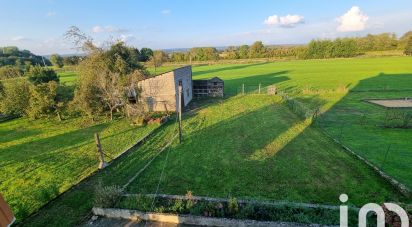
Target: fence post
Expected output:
[243,89]
[102,163]
[180,111]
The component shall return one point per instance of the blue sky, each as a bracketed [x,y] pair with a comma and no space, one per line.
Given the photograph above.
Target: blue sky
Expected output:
[39,25]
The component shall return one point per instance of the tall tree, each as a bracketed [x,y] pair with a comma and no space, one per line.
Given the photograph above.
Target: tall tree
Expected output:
[408,48]
[257,50]
[158,58]
[145,54]
[57,60]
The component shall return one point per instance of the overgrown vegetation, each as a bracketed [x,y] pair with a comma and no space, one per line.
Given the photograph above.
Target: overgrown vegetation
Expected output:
[233,209]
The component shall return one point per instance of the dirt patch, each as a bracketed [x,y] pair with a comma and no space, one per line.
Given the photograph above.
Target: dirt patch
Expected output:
[392,103]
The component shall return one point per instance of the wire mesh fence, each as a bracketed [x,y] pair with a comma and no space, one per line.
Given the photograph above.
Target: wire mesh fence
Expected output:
[364,134]
[247,89]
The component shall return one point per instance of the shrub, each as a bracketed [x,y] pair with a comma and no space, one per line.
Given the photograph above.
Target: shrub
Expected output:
[7,72]
[233,206]
[107,196]
[42,100]
[15,98]
[38,75]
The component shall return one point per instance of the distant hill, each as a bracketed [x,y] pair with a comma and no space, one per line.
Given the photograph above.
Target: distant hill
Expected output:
[11,55]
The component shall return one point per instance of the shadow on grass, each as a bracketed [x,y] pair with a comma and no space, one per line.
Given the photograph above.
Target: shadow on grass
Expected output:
[264,153]
[218,158]
[358,124]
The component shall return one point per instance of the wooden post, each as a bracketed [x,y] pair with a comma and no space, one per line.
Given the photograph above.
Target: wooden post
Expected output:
[102,163]
[259,88]
[180,112]
[243,89]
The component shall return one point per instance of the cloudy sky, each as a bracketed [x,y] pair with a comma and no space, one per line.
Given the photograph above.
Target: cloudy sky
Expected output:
[39,25]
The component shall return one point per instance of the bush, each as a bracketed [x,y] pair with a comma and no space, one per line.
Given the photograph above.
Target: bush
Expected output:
[107,196]
[233,206]
[8,72]
[15,98]
[38,75]
[42,100]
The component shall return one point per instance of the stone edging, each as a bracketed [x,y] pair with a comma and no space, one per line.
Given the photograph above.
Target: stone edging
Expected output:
[246,201]
[188,219]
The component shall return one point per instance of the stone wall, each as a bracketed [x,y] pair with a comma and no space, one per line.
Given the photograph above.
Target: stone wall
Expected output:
[160,93]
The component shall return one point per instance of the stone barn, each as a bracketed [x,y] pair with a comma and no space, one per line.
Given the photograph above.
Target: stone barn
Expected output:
[160,93]
[213,87]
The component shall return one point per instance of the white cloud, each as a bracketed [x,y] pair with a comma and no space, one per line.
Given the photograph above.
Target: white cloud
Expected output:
[166,11]
[353,20]
[108,29]
[126,38]
[285,21]
[51,14]
[19,39]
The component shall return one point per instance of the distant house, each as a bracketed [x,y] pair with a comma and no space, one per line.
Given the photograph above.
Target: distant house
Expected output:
[213,87]
[160,93]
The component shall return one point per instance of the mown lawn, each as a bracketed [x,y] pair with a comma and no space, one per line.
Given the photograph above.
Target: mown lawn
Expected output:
[248,147]
[255,147]
[321,83]
[42,158]
[68,78]
[248,140]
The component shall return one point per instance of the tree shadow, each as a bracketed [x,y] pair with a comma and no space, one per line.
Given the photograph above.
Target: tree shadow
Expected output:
[264,153]
[359,124]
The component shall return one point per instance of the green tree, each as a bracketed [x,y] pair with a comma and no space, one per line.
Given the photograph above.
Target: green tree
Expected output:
[57,60]
[42,102]
[257,50]
[244,51]
[158,58]
[71,60]
[408,48]
[38,75]
[403,41]
[15,98]
[145,54]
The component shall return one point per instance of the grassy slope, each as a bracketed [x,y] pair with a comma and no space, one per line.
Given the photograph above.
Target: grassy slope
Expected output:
[362,74]
[41,159]
[76,203]
[254,147]
[325,74]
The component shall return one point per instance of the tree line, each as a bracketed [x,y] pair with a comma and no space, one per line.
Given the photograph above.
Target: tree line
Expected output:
[319,48]
[11,55]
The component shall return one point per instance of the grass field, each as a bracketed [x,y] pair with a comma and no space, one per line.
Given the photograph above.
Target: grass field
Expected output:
[250,157]
[255,147]
[43,158]
[68,78]
[318,83]
[231,146]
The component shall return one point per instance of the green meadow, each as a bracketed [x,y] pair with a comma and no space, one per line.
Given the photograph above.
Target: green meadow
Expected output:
[250,146]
